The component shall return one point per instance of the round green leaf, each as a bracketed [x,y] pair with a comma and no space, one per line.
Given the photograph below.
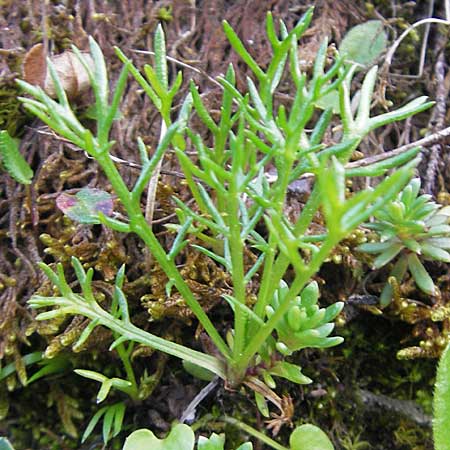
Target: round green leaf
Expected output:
[364,43]
[181,437]
[309,437]
[214,442]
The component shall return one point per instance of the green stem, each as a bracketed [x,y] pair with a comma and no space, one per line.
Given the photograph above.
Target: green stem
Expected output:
[237,263]
[299,282]
[252,431]
[278,267]
[124,356]
[270,279]
[140,226]
[132,333]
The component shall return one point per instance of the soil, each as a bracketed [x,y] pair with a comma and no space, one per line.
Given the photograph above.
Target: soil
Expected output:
[363,396]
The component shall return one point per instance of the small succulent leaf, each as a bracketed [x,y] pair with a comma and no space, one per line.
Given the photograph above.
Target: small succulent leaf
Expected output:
[388,255]
[12,159]
[26,360]
[5,444]
[412,245]
[321,127]
[435,253]
[197,371]
[180,437]
[291,372]
[309,437]
[420,275]
[261,404]
[396,210]
[268,380]
[214,442]
[104,390]
[438,219]
[441,242]
[439,230]
[364,43]
[246,446]
[294,317]
[407,195]
[91,375]
[398,272]
[310,294]
[85,206]
[374,247]
[332,311]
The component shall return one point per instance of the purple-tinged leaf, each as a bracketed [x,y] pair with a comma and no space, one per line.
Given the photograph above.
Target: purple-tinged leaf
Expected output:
[84,206]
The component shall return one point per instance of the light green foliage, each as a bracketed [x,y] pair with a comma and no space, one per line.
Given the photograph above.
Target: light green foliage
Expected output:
[31,358]
[113,416]
[233,196]
[305,324]
[441,403]
[5,444]
[12,160]
[181,437]
[364,43]
[410,228]
[309,437]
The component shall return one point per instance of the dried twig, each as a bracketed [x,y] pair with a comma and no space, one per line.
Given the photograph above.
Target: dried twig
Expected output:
[425,142]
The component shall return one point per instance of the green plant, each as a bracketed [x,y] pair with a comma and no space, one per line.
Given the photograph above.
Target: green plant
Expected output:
[181,437]
[5,444]
[441,403]
[410,228]
[233,196]
[12,160]
[113,416]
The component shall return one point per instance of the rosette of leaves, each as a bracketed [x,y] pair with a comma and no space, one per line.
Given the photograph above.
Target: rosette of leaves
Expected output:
[305,324]
[411,228]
